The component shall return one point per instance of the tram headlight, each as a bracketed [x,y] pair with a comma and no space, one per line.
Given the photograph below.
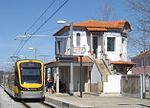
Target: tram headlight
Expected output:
[31,89]
[24,89]
[40,88]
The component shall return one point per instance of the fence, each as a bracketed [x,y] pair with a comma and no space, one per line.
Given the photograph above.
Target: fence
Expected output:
[136,86]
[131,85]
[147,86]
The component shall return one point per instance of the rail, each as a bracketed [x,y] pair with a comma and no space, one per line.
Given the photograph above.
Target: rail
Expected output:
[30,104]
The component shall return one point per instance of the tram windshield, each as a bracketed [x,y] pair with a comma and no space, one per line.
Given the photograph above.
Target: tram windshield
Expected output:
[30,73]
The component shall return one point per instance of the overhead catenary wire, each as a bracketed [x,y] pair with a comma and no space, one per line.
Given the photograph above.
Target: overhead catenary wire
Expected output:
[49,17]
[40,16]
[62,5]
[34,23]
[18,47]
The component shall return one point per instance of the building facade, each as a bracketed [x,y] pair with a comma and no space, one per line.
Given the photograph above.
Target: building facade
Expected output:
[142,63]
[90,50]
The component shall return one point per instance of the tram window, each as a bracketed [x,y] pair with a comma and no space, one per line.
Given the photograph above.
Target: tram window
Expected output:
[30,72]
[31,75]
[31,64]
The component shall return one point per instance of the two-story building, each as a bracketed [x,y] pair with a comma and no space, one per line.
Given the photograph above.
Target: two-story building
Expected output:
[87,53]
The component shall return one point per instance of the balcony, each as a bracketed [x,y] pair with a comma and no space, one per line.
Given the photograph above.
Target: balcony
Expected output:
[79,50]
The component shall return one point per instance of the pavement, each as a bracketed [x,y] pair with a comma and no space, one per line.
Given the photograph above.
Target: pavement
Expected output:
[63,100]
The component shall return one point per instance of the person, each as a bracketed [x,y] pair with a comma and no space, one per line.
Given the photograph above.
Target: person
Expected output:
[53,86]
[49,86]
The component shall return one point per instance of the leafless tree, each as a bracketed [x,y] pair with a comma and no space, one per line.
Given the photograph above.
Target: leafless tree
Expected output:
[141,27]
[106,13]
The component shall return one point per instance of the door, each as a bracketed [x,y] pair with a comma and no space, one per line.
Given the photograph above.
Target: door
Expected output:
[95,45]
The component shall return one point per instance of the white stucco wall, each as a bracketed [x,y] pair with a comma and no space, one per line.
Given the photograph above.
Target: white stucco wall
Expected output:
[83,43]
[120,52]
[113,85]
[95,74]
[65,44]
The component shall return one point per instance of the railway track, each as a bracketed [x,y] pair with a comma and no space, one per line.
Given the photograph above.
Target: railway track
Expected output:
[39,104]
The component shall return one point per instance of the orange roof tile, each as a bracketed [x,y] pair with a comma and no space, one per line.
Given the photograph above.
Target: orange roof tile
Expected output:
[93,25]
[85,59]
[96,29]
[102,24]
[120,62]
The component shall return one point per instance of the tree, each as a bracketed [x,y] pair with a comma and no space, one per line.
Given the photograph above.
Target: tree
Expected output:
[107,13]
[141,26]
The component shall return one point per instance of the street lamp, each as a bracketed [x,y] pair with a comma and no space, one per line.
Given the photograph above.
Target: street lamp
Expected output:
[35,51]
[61,22]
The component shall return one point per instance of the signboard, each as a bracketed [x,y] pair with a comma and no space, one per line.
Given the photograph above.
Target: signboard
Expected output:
[79,50]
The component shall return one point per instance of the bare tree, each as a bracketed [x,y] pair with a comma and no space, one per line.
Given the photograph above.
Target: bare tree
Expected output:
[141,27]
[106,13]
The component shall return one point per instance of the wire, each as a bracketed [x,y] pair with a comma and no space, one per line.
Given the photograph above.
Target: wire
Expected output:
[18,51]
[40,16]
[18,47]
[49,18]
[22,42]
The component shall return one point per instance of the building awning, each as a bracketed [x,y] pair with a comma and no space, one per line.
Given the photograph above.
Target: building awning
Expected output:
[122,66]
[86,61]
[120,62]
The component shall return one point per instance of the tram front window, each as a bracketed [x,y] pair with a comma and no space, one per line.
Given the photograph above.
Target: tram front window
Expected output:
[30,75]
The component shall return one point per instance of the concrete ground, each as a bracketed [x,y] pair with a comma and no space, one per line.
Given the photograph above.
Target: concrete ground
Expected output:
[93,101]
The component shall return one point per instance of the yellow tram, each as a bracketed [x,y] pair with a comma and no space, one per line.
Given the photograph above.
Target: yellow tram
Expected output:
[25,80]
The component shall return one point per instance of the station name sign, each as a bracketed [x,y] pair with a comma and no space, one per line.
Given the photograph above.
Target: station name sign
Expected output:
[67,58]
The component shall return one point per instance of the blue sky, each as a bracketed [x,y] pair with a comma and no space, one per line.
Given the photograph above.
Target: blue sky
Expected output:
[18,15]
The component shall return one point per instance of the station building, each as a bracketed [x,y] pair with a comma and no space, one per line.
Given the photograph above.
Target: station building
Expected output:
[87,53]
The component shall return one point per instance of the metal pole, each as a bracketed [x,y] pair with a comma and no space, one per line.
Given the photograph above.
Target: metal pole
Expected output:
[144,65]
[71,38]
[141,78]
[35,53]
[81,76]
[90,81]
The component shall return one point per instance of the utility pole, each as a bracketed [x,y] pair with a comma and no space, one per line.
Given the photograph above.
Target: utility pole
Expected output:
[144,65]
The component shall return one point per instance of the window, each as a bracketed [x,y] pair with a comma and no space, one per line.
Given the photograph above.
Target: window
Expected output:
[30,73]
[78,39]
[111,44]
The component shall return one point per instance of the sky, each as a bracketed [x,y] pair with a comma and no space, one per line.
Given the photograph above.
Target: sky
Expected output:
[16,16]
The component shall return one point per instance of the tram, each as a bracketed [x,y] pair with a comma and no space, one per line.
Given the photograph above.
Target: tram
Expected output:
[25,79]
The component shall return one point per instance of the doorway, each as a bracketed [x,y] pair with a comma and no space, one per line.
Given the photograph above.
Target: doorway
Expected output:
[95,45]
